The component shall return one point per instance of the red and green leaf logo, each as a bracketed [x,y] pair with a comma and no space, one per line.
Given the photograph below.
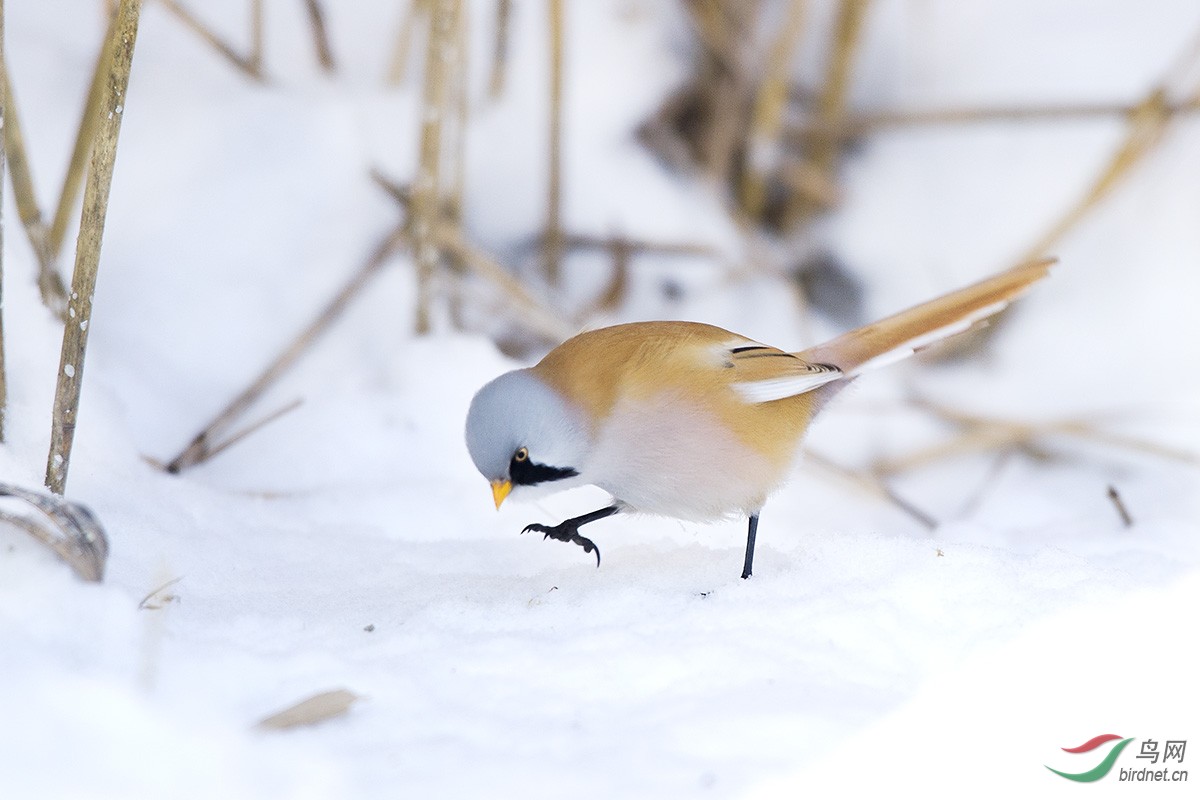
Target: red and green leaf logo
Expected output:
[1091,745]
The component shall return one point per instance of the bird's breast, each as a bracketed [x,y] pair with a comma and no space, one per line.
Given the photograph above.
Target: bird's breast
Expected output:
[667,454]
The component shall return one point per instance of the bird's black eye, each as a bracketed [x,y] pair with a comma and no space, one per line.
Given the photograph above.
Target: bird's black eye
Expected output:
[521,455]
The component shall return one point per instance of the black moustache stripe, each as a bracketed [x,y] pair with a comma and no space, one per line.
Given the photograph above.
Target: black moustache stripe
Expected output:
[527,473]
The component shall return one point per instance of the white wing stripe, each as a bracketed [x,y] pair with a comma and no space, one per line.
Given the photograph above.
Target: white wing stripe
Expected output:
[778,388]
[929,337]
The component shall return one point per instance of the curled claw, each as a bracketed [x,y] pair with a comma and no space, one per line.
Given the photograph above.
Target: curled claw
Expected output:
[588,546]
[565,532]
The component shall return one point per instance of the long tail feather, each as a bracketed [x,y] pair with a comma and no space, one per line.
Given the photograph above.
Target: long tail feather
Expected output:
[903,334]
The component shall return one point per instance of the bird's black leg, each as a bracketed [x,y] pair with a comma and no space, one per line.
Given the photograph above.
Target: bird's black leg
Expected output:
[750,534]
[568,531]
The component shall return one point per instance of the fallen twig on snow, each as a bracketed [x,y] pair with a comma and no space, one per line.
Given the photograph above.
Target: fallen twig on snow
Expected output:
[155,599]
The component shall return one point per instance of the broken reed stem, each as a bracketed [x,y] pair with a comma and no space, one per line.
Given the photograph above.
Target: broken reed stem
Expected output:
[77,168]
[87,248]
[251,65]
[144,604]
[769,104]
[500,49]
[316,20]
[440,62]
[253,427]
[553,240]
[74,532]
[831,105]
[205,444]
[3,372]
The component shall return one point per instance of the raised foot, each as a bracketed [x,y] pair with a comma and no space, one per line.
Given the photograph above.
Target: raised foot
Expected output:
[566,532]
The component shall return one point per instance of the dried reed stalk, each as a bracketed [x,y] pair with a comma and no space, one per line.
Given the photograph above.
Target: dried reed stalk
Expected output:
[3,372]
[257,36]
[871,484]
[980,433]
[205,444]
[534,315]
[316,20]
[1148,122]
[727,29]
[831,105]
[436,108]
[500,49]
[47,243]
[250,64]
[87,249]
[856,126]
[769,104]
[50,283]
[418,10]
[458,160]
[77,168]
[552,242]
[622,250]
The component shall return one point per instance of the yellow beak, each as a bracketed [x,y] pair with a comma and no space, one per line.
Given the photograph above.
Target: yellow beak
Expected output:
[500,490]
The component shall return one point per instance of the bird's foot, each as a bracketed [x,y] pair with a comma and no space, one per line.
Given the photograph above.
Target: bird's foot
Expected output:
[566,532]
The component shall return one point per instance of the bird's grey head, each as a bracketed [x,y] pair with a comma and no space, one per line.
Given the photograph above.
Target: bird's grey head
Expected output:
[521,433]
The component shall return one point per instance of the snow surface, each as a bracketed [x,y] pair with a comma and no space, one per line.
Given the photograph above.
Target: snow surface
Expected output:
[350,544]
